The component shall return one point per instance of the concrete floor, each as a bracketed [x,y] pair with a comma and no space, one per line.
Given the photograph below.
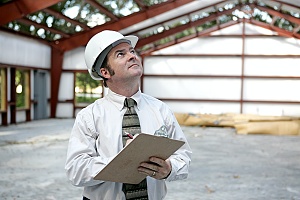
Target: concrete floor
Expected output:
[225,166]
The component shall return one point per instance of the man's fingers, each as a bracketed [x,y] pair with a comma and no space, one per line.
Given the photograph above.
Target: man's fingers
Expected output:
[157,168]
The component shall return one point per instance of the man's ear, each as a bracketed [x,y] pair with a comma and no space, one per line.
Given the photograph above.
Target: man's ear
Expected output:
[104,72]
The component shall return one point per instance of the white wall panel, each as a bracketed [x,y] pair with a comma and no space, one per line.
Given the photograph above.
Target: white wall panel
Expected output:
[77,110]
[272,46]
[192,88]
[21,116]
[272,90]
[249,30]
[64,110]
[17,50]
[253,30]
[66,87]
[264,89]
[74,59]
[205,46]
[272,66]
[203,107]
[192,65]
[272,109]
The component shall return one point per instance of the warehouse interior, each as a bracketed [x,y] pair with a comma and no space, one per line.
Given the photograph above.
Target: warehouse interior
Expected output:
[228,69]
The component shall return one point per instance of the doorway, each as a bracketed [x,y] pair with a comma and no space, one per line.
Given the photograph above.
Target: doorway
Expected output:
[40,95]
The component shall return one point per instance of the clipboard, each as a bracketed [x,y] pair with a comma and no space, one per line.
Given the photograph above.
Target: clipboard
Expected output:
[123,168]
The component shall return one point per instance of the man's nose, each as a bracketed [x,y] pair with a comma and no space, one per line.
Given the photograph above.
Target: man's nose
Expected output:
[132,56]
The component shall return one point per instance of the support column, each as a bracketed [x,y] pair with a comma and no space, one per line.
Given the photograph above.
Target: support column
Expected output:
[243,69]
[56,70]
[13,98]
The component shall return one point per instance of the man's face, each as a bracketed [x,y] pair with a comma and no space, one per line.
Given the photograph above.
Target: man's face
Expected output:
[123,60]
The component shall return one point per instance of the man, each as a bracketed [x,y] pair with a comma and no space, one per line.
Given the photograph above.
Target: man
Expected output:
[98,132]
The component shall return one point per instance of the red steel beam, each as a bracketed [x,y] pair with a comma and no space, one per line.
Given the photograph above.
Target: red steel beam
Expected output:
[141,4]
[102,9]
[18,9]
[56,71]
[82,38]
[279,14]
[173,31]
[25,35]
[206,32]
[243,68]
[280,31]
[37,25]
[61,16]
[179,16]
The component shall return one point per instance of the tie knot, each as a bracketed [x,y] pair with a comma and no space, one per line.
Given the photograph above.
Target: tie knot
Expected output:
[129,102]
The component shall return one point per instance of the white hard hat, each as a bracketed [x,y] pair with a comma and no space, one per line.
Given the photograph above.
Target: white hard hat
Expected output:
[99,46]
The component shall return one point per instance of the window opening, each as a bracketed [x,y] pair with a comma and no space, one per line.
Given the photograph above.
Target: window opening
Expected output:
[87,90]
[2,89]
[22,89]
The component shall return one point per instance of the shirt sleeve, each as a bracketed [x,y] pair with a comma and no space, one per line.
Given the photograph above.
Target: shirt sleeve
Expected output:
[83,162]
[181,159]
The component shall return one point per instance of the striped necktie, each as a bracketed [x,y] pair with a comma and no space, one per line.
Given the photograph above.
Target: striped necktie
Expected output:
[131,124]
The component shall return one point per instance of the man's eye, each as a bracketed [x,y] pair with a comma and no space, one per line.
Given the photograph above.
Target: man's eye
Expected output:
[120,54]
[132,51]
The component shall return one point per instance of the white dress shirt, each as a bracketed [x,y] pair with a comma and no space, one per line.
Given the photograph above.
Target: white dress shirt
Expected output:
[96,138]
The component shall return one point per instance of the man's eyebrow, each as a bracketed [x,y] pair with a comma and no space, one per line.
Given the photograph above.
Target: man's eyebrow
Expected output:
[122,50]
[119,51]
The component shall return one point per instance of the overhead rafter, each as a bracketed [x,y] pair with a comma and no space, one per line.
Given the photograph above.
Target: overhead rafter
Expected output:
[18,9]
[274,13]
[296,30]
[141,4]
[206,32]
[179,16]
[102,9]
[280,31]
[284,3]
[279,14]
[80,39]
[61,16]
[20,33]
[181,28]
[29,22]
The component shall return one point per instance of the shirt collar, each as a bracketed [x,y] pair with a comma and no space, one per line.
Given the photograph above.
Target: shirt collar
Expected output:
[118,100]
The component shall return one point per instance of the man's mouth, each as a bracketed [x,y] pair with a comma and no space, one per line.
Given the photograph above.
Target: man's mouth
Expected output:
[133,65]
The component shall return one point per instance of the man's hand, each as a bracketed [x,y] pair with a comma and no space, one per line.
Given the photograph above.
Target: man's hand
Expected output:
[157,168]
[130,139]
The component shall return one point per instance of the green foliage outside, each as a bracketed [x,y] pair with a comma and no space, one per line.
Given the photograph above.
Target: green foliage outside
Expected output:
[85,100]
[21,85]
[86,85]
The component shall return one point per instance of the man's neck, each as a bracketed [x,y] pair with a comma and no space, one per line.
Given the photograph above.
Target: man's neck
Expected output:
[124,89]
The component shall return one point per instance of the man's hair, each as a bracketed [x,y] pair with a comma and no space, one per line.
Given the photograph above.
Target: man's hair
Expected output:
[106,66]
